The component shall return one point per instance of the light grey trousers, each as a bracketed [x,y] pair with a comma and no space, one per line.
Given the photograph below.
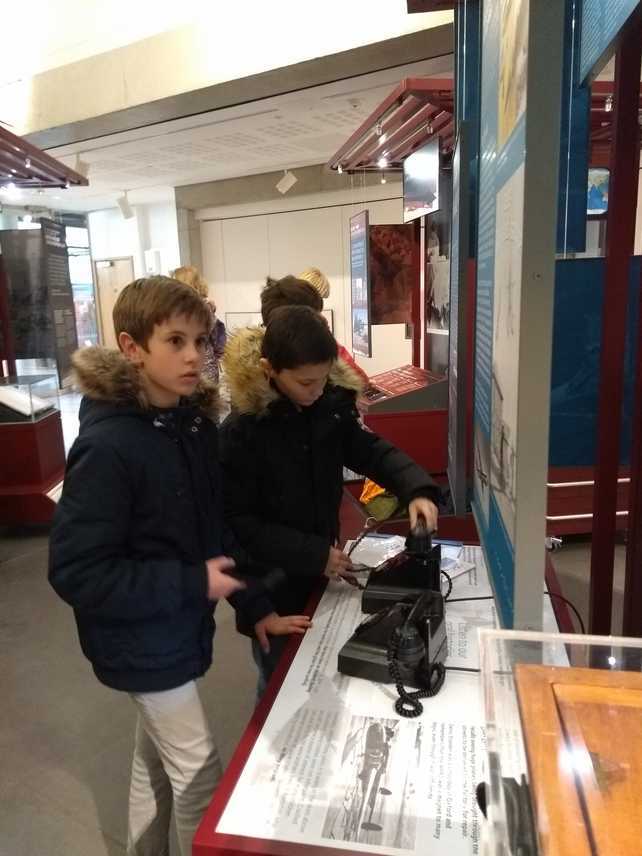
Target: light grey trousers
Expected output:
[176,766]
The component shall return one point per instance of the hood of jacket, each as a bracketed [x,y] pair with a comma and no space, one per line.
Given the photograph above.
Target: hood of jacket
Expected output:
[250,390]
[105,376]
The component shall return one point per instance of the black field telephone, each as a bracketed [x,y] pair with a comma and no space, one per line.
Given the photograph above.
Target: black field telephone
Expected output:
[403,644]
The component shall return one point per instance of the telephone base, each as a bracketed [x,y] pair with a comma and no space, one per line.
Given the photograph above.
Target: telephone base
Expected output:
[361,659]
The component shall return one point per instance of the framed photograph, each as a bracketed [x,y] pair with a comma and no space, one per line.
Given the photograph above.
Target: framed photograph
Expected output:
[597,201]
[360,285]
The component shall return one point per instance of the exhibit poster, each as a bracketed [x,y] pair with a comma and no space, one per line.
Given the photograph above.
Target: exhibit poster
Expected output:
[41,305]
[31,322]
[360,285]
[458,325]
[602,21]
[61,298]
[574,140]
[335,766]
[515,281]
[394,274]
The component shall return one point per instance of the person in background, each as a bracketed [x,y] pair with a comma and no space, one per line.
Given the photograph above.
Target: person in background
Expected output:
[293,427]
[216,344]
[320,282]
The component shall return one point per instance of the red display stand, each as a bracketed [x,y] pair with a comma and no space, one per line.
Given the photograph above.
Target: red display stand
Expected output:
[33,462]
[421,434]
[571,497]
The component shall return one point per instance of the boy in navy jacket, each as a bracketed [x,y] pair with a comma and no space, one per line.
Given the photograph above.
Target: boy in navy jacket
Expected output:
[137,545]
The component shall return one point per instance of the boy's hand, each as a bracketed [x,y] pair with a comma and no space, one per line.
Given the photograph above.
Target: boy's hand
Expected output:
[219,583]
[338,564]
[423,507]
[279,625]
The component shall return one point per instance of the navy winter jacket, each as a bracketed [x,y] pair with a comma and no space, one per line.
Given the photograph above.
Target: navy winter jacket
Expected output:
[139,515]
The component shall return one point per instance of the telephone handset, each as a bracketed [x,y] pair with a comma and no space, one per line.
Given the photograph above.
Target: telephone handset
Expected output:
[420,642]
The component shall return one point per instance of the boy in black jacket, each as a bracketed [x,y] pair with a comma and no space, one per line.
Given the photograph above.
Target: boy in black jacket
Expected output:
[294,427]
[137,545]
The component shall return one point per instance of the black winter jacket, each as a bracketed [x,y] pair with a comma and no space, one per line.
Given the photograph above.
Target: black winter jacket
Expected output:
[283,468]
[140,513]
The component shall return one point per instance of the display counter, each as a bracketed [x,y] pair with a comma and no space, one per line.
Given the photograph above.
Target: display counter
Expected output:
[33,451]
[327,764]
[563,720]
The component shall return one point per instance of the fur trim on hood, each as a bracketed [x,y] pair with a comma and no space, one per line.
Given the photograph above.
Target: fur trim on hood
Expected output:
[105,375]
[250,390]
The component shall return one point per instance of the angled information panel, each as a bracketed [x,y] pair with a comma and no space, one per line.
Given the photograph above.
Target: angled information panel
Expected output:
[519,155]
[602,21]
[458,357]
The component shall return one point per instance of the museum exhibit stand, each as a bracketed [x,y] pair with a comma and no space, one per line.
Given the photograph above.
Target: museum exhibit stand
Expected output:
[33,451]
[37,326]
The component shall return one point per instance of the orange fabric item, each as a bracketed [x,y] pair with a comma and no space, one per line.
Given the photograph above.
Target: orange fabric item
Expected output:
[370,491]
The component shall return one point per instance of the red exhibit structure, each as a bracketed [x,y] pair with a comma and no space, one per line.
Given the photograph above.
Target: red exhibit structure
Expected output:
[621,216]
[33,452]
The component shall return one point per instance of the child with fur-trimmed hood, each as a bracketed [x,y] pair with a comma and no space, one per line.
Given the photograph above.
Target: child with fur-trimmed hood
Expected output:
[137,545]
[293,428]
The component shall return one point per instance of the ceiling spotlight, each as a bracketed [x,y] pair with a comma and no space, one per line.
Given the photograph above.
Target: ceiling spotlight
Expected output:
[125,208]
[28,163]
[608,103]
[430,130]
[382,163]
[339,169]
[287,182]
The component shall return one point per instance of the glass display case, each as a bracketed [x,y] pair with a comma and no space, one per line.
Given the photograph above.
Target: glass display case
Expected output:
[28,398]
[564,727]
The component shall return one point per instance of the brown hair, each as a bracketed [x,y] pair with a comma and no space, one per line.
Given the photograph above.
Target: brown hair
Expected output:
[317,279]
[297,336]
[191,276]
[149,301]
[288,291]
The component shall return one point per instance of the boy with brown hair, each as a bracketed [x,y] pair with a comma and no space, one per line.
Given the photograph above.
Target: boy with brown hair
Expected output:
[137,546]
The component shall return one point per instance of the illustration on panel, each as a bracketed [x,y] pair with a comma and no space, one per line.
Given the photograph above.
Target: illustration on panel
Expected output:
[512,70]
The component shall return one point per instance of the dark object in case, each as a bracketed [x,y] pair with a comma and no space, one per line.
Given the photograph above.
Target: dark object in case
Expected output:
[407,575]
[414,631]
[522,837]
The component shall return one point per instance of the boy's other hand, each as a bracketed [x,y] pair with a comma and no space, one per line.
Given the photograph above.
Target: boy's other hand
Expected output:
[279,625]
[423,507]
[219,583]
[338,563]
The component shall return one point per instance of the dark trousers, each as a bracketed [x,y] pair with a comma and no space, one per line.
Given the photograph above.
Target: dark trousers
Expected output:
[267,663]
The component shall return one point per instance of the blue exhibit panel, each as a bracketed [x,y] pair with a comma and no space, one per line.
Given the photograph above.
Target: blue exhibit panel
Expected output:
[602,20]
[575,373]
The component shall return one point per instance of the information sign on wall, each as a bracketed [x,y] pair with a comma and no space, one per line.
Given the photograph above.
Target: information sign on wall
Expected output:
[41,305]
[458,351]
[519,155]
[360,285]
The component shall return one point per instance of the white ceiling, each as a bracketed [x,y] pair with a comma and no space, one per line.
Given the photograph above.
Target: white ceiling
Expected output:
[285,132]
